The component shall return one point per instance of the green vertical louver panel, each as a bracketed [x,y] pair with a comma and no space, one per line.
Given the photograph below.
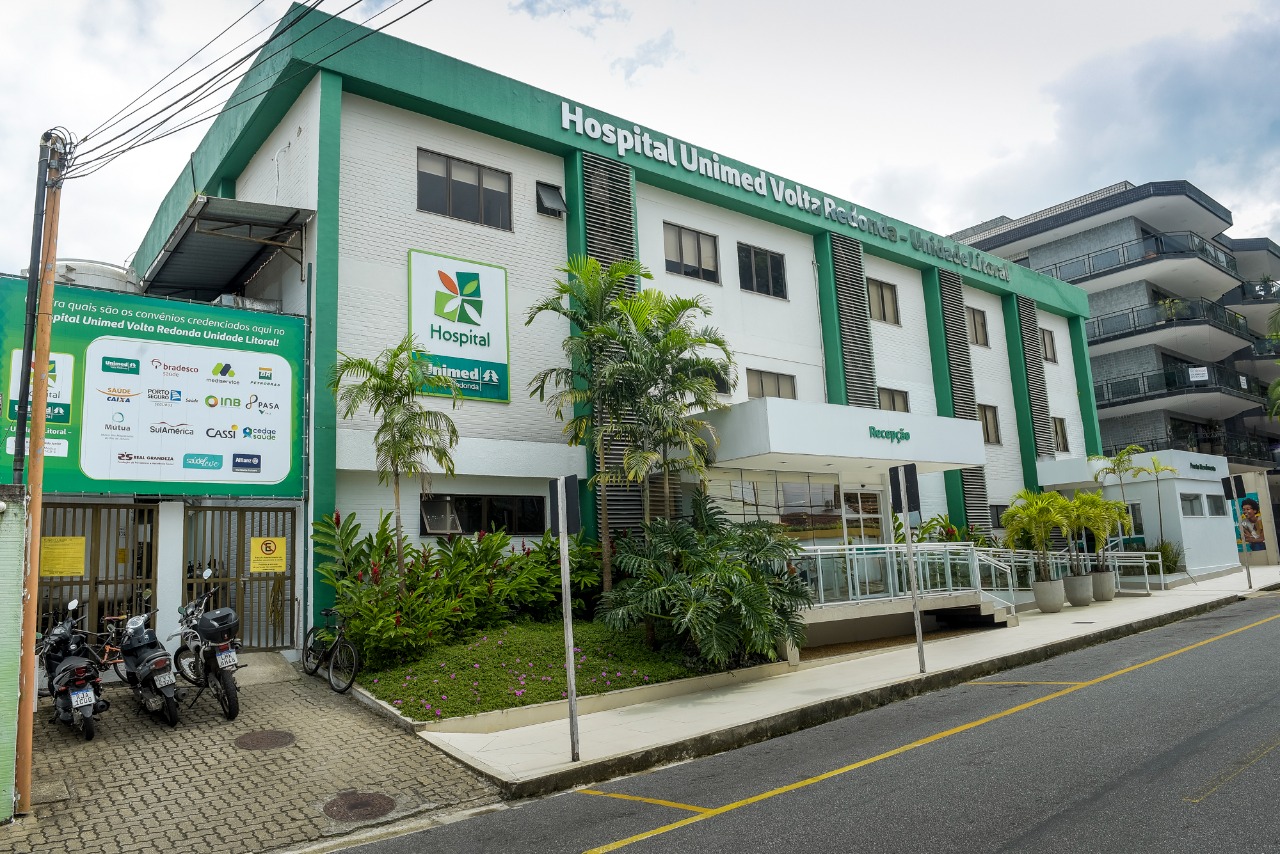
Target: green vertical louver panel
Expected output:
[855,323]
[963,400]
[1033,348]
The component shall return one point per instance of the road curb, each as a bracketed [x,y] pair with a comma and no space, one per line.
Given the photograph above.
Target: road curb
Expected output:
[814,714]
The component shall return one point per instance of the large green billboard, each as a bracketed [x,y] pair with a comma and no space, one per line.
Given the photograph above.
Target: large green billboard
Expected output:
[161,396]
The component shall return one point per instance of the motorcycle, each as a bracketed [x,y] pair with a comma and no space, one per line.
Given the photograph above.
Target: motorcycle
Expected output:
[148,668]
[207,653]
[71,669]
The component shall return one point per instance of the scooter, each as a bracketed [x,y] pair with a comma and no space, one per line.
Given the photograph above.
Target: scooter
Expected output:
[72,668]
[206,656]
[148,669]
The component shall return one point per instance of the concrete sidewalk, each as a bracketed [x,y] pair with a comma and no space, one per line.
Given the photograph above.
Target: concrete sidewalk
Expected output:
[533,760]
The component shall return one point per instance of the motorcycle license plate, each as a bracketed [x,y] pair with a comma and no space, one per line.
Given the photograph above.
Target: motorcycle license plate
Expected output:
[227,659]
[82,698]
[163,679]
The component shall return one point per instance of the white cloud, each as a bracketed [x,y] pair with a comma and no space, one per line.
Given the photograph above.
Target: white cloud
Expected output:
[654,53]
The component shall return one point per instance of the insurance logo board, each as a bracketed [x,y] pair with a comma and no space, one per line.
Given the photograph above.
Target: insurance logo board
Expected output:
[458,313]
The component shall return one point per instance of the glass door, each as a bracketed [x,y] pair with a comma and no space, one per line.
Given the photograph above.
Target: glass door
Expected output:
[864,520]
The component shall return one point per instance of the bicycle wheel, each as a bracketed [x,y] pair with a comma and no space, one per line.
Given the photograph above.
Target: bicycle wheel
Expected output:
[313,651]
[344,661]
[118,667]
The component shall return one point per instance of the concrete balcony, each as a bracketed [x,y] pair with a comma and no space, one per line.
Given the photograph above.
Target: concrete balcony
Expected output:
[1210,392]
[1256,301]
[1181,262]
[1243,453]
[1200,329]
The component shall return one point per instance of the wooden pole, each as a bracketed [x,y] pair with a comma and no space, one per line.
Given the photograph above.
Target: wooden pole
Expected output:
[27,691]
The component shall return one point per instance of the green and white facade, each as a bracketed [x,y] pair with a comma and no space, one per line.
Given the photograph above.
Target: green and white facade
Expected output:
[353,145]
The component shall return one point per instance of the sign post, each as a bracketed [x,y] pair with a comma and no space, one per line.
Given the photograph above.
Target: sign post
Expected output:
[564,521]
[904,488]
[1236,496]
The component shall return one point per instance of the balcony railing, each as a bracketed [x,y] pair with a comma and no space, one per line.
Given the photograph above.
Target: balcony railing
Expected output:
[1167,313]
[1149,247]
[1176,380]
[1230,445]
[1263,291]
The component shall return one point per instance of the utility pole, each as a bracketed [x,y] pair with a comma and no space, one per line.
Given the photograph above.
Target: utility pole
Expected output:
[59,153]
[29,330]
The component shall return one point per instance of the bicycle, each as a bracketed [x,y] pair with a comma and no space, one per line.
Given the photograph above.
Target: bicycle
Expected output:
[108,649]
[329,643]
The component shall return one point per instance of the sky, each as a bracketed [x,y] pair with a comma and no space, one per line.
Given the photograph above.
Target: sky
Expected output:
[938,113]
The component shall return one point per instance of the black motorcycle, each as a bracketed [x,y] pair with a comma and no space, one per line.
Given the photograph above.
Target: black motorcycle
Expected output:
[71,669]
[148,669]
[207,654]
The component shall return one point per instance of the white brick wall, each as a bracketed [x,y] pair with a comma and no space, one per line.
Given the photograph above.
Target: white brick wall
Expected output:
[283,171]
[764,333]
[1060,380]
[993,386]
[380,224]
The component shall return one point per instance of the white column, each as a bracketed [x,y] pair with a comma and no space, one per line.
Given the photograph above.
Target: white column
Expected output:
[170,569]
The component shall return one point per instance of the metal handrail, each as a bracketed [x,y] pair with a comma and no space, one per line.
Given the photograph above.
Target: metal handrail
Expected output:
[1220,443]
[1144,248]
[1177,379]
[1166,314]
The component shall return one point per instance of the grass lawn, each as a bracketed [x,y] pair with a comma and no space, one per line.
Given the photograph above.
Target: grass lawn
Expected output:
[520,665]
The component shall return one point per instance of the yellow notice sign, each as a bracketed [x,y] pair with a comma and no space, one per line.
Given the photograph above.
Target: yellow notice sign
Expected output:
[61,556]
[266,554]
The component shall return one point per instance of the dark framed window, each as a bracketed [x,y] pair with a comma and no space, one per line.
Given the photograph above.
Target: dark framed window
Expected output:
[463,190]
[893,400]
[977,326]
[1135,514]
[989,417]
[1217,505]
[550,201]
[1060,435]
[882,299]
[768,384]
[762,271]
[997,510]
[691,253]
[1047,345]
[518,515]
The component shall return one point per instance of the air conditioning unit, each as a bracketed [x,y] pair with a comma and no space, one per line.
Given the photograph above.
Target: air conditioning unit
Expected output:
[236,301]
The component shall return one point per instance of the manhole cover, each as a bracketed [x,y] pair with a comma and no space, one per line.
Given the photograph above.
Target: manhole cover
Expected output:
[359,806]
[265,739]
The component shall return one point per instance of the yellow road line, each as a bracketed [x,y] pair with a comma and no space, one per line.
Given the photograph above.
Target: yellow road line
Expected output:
[688,807]
[897,751]
[1225,777]
[987,682]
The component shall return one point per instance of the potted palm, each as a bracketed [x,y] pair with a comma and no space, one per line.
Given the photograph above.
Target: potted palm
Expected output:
[1033,516]
[1077,585]
[1100,517]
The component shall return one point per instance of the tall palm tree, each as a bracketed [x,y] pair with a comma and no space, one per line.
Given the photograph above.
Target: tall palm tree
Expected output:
[408,433]
[669,368]
[586,297]
[1120,466]
[1099,516]
[1035,514]
[1155,469]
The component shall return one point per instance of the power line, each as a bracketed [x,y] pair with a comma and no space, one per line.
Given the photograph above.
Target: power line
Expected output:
[213,113]
[174,71]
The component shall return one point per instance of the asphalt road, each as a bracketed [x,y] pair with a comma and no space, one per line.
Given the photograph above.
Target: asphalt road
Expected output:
[1162,742]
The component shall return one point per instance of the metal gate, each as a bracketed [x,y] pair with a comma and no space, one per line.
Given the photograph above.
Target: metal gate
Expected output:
[220,538]
[119,572]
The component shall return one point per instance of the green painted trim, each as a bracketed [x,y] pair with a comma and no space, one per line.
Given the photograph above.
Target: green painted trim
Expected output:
[576,242]
[227,187]
[829,313]
[940,364]
[1084,385]
[1021,390]
[324,409]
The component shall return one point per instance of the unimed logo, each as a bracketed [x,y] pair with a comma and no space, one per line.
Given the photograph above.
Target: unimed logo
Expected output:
[460,300]
[114,365]
[202,461]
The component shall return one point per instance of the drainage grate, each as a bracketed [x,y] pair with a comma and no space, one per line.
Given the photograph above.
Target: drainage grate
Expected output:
[265,739]
[359,806]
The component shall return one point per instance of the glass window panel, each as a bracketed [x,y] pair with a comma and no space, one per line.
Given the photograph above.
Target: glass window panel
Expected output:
[762,270]
[497,199]
[777,276]
[787,386]
[755,384]
[1191,505]
[671,246]
[874,300]
[745,269]
[432,188]
[890,303]
[770,384]
[689,253]
[464,191]
[707,258]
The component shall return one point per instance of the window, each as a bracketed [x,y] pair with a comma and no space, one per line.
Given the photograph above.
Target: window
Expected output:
[990,424]
[1047,347]
[1191,504]
[550,200]
[469,514]
[762,271]
[1060,435]
[1217,505]
[997,510]
[690,253]
[894,401]
[977,326]
[1135,514]
[463,190]
[883,300]
[766,384]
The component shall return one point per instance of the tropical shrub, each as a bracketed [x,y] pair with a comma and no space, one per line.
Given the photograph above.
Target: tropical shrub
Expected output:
[724,589]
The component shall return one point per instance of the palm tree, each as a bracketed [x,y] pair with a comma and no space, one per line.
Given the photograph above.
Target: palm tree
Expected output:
[1099,516]
[1155,469]
[408,433]
[669,369]
[586,298]
[1120,466]
[1035,515]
